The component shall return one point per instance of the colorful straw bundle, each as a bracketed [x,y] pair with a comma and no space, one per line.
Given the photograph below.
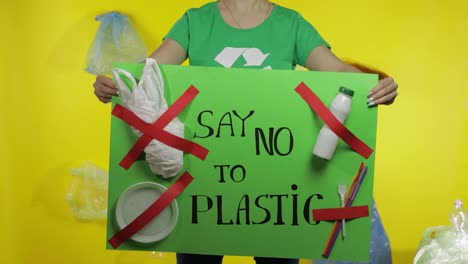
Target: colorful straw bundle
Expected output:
[349,198]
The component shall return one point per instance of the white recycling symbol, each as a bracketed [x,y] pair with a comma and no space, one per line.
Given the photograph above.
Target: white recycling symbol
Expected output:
[253,57]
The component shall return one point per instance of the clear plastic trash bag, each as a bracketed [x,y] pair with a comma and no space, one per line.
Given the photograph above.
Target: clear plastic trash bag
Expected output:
[116,41]
[446,244]
[146,100]
[380,250]
[87,195]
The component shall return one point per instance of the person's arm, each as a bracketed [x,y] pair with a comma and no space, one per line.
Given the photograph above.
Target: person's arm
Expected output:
[170,52]
[322,59]
[173,50]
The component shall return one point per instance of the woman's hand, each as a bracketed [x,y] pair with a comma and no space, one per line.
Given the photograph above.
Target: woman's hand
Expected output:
[384,93]
[322,59]
[170,52]
[104,89]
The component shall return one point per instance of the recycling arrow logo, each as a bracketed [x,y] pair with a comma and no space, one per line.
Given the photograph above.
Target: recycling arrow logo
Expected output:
[253,57]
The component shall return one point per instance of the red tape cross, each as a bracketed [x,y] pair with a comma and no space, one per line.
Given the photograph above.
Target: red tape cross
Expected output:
[144,218]
[333,214]
[332,122]
[156,130]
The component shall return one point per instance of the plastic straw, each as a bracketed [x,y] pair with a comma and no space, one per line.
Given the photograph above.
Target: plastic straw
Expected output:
[356,184]
[337,227]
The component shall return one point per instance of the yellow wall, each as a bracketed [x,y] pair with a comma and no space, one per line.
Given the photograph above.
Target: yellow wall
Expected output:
[51,121]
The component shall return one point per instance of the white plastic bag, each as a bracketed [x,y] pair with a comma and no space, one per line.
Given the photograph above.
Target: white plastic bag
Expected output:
[446,244]
[146,100]
[116,41]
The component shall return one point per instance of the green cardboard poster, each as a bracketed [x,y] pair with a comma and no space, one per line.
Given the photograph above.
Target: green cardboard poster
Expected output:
[254,192]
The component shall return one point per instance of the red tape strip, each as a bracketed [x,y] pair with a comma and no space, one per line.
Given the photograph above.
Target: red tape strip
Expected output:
[332,122]
[156,130]
[158,134]
[332,214]
[162,202]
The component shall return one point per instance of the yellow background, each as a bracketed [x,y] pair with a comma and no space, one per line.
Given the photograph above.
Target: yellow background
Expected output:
[51,121]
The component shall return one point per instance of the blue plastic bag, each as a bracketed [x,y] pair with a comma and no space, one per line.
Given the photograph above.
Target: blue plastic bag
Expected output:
[380,251]
[116,41]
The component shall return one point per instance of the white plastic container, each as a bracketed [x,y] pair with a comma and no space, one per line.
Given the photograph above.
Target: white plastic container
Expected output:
[325,145]
[135,200]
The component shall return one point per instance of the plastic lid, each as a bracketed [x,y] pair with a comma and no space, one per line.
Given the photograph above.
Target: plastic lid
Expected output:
[136,199]
[346,91]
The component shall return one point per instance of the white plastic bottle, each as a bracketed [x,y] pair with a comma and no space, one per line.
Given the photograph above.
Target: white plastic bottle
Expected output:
[459,218]
[327,140]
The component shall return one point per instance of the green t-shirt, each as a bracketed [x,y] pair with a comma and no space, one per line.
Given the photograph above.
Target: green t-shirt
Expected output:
[284,40]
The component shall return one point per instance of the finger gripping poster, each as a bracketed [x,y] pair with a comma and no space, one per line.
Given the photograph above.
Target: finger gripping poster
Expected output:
[250,182]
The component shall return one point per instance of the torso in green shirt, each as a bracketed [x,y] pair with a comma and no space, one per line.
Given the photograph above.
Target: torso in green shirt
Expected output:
[282,41]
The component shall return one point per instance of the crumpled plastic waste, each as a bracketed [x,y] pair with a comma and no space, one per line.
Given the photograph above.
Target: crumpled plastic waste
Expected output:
[446,244]
[116,41]
[87,194]
[145,99]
